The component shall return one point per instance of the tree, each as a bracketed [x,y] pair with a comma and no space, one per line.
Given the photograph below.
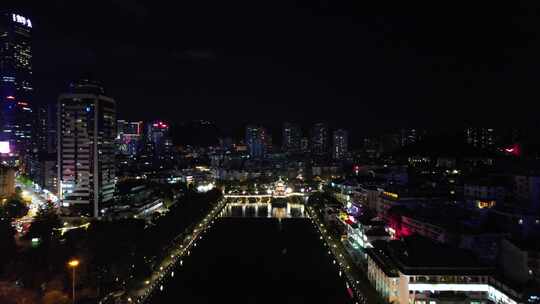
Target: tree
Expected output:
[11,294]
[55,297]
[14,207]
[44,223]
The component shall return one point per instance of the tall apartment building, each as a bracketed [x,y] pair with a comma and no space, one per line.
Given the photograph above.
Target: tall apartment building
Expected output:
[340,144]
[292,135]
[86,148]
[319,139]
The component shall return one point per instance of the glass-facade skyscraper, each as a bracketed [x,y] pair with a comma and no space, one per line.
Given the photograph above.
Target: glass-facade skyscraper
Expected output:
[257,140]
[16,80]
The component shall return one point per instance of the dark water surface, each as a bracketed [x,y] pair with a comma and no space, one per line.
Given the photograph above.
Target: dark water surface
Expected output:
[246,260]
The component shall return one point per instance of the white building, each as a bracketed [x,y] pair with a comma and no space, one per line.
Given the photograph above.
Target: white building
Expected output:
[86,148]
[419,271]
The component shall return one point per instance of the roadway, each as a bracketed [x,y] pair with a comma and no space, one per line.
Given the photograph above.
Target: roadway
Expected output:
[356,281]
[36,201]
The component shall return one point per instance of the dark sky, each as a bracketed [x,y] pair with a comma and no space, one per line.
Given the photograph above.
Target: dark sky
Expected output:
[358,65]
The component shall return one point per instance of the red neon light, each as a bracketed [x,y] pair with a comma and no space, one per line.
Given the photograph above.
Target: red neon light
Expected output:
[514,150]
[22,103]
[10,97]
[348,221]
[162,125]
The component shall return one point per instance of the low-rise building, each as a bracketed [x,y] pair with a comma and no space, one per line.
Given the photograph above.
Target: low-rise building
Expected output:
[484,192]
[418,270]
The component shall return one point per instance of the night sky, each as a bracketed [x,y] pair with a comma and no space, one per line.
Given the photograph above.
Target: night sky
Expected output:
[357,65]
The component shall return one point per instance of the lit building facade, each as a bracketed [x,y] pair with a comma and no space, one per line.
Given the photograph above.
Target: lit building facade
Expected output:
[257,139]
[304,145]
[431,274]
[410,136]
[157,139]
[292,135]
[129,136]
[340,144]
[16,80]
[483,193]
[483,138]
[319,139]
[7,181]
[86,148]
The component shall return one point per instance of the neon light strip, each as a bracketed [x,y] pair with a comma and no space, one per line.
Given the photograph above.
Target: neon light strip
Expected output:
[493,292]
[448,287]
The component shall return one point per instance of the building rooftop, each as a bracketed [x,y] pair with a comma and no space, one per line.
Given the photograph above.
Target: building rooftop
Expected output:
[416,255]
[377,231]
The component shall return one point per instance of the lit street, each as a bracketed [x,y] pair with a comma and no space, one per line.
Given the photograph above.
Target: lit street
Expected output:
[35,200]
[180,247]
[357,282]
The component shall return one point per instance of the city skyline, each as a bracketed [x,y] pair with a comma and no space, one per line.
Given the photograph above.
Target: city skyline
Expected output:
[244,152]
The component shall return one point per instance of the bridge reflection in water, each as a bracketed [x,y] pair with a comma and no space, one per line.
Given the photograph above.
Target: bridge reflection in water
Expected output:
[267,210]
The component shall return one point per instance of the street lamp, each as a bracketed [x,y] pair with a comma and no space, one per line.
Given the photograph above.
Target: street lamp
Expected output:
[73,264]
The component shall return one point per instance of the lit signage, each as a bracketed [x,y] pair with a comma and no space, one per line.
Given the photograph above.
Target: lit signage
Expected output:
[392,195]
[481,204]
[4,147]
[514,150]
[160,125]
[449,287]
[22,20]
[205,188]
[493,293]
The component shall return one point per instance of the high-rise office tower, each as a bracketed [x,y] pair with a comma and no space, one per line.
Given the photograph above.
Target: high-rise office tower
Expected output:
[157,131]
[40,164]
[319,139]
[483,138]
[268,141]
[86,149]
[410,136]
[158,140]
[291,137]
[129,136]
[304,145]
[257,139]
[40,130]
[16,81]
[340,144]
